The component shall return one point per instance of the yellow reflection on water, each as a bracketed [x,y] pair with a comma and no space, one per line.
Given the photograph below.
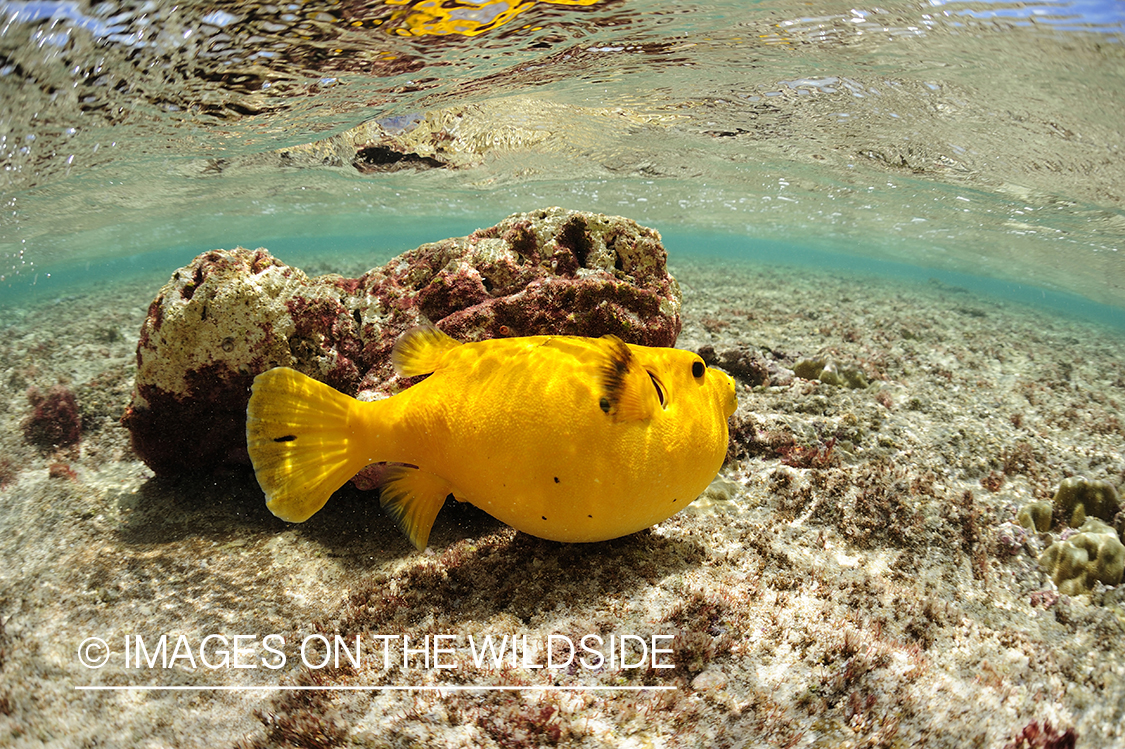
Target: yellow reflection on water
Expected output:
[442,17]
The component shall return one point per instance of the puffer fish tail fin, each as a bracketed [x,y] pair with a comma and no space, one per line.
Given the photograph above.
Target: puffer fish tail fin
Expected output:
[301,441]
[419,350]
[412,498]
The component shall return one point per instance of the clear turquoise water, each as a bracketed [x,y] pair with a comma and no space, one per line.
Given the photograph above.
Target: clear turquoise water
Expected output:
[978,143]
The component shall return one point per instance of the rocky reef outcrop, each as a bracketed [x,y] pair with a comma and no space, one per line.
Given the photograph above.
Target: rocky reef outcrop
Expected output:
[232,314]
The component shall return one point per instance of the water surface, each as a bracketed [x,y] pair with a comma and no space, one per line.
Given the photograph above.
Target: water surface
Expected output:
[982,138]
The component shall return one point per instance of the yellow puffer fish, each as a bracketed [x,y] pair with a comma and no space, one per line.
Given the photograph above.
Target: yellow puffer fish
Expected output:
[562,437]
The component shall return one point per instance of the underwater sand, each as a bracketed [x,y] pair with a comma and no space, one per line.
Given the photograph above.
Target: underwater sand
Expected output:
[866,601]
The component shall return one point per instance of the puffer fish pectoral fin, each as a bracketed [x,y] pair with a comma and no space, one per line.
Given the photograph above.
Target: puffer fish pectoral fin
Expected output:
[627,390]
[299,440]
[419,350]
[412,498]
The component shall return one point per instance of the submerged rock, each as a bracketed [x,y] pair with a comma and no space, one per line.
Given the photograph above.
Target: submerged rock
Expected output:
[741,362]
[1075,500]
[1094,554]
[1035,517]
[830,373]
[1078,498]
[232,314]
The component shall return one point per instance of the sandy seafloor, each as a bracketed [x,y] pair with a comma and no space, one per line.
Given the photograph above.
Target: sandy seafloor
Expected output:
[869,601]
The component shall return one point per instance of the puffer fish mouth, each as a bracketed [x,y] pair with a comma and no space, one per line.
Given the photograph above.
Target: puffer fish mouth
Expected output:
[730,396]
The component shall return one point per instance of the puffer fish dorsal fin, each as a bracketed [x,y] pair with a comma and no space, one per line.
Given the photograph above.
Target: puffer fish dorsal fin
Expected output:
[412,499]
[419,350]
[627,390]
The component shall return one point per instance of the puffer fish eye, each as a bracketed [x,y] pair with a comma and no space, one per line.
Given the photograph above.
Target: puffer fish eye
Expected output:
[697,369]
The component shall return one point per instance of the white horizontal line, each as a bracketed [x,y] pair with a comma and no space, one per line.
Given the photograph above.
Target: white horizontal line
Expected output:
[451,688]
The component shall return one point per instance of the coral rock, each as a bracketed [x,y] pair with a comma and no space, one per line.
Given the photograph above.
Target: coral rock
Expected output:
[232,314]
[1077,499]
[1035,516]
[1092,555]
[830,373]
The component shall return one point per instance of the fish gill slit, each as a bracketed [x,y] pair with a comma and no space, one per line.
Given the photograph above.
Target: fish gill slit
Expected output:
[659,389]
[286,438]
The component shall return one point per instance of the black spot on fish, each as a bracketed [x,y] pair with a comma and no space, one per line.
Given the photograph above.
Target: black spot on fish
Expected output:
[543,516]
[589,516]
[556,479]
[674,499]
[286,438]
